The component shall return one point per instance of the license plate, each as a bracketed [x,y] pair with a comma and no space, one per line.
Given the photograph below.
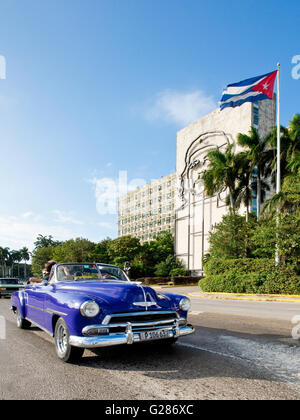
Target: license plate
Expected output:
[155,335]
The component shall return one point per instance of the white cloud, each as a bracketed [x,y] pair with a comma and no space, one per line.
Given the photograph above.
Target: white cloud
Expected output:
[66,217]
[16,232]
[181,107]
[27,214]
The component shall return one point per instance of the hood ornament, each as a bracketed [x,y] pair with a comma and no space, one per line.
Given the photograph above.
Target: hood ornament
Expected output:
[144,304]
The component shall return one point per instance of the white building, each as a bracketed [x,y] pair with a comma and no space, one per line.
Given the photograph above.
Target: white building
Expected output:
[148,210]
[196,214]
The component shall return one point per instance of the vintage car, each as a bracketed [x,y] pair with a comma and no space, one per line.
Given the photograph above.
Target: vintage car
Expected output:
[89,305]
[9,285]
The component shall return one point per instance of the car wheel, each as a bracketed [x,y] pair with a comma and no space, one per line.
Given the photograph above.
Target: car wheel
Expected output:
[64,350]
[22,323]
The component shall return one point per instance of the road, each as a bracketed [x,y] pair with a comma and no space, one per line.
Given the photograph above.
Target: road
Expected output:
[241,350]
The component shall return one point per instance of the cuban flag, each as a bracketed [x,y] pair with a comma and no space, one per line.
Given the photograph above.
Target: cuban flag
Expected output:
[250,90]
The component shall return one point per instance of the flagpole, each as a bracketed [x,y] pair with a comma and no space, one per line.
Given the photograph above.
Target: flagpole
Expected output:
[278,181]
[278,175]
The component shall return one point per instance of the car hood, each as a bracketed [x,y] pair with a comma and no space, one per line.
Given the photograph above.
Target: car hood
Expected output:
[124,296]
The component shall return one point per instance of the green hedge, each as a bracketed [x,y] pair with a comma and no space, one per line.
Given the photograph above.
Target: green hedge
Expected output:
[260,276]
[175,280]
[216,266]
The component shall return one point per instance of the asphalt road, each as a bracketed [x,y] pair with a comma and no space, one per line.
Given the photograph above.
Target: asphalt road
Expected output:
[241,350]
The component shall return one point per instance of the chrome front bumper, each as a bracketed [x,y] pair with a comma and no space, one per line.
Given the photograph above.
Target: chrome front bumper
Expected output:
[128,337]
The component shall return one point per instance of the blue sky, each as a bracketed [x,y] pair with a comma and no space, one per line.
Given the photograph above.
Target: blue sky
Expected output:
[101,86]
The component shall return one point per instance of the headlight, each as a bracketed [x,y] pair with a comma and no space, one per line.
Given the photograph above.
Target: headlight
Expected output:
[185,304]
[89,309]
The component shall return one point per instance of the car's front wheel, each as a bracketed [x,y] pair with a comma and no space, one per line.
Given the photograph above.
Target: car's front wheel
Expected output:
[64,350]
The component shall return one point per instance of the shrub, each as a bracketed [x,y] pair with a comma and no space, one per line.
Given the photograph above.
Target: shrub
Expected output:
[240,266]
[164,268]
[178,272]
[249,276]
[231,237]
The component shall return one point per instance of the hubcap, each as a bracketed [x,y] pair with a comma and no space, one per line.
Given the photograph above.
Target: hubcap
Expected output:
[62,339]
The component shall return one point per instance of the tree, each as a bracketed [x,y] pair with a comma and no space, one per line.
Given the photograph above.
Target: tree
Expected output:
[18,259]
[168,267]
[100,252]
[294,163]
[243,193]
[260,156]
[282,214]
[221,173]
[287,200]
[4,255]
[40,256]
[231,237]
[74,250]
[45,241]
[289,148]
[25,257]
[14,257]
[152,253]
[123,249]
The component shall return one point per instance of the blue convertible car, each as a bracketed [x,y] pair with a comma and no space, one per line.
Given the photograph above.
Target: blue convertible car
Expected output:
[96,305]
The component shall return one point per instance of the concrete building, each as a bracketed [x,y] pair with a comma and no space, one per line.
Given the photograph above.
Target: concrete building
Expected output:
[177,203]
[195,214]
[148,210]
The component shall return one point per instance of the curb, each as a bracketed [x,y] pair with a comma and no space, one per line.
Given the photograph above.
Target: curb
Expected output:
[257,299]
[252,294]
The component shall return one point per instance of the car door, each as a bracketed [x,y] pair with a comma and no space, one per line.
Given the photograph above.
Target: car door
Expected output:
[34,300]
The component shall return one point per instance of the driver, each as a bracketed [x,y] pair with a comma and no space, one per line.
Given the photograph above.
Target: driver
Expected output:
[63,273]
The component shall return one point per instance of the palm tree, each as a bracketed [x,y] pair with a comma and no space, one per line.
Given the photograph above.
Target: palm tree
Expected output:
[18,259]
[15,257]
[288,199]
[25,256]
[294,163]
[260,156]
[244,191]
[289,147]
[4,255]
[294,134]
[221,173]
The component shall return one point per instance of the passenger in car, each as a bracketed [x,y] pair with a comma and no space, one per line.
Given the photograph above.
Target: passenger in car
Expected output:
[46,273]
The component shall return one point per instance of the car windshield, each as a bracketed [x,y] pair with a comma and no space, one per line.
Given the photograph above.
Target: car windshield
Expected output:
[8,281]
[112,273]
[69,272]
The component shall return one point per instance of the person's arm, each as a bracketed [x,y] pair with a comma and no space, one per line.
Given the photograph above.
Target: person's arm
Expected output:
[35,280]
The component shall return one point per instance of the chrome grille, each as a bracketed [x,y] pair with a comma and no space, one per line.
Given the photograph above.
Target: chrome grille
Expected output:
[142,321]
[138,322]
[138,317]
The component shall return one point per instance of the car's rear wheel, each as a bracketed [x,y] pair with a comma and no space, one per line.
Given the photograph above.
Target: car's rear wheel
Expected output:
[64,350]
[22,323]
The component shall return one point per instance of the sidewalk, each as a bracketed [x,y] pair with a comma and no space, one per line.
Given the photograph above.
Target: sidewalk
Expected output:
[195,292]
